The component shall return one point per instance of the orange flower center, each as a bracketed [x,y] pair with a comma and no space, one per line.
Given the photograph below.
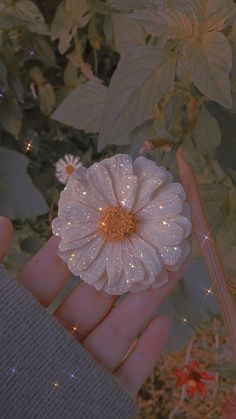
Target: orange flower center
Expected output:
[116,223]
[192,383]
[69,169]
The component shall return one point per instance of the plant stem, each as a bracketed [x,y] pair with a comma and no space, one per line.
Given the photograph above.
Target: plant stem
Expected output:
[211,254]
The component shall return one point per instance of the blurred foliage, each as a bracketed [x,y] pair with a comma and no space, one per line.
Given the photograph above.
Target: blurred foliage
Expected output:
[93,78]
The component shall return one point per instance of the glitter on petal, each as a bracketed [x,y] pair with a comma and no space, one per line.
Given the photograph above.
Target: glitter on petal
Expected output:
[123,225]
[66,167]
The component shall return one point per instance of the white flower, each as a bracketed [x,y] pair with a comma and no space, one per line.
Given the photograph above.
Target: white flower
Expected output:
[123,225]
[66,167]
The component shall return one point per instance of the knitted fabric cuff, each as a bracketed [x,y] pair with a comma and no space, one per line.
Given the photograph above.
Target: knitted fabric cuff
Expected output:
[45,373]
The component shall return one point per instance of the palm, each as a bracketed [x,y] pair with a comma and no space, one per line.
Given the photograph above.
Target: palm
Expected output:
[106,329]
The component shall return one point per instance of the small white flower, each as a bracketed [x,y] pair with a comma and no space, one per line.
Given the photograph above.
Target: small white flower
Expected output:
[123,225]
[66,167]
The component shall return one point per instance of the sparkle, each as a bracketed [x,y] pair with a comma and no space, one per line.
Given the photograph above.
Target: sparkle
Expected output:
[185,319]
[31,52]
[56,384]
[164,222]
[13,370]
[208,291]
[2,94]
[72,375]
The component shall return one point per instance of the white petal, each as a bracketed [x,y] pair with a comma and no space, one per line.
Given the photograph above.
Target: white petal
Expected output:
[97,268]
[79,212]
[161,208]
[74,231]
[133,268]
[174,188]
[56,226]
[145,168]
[147,254]
[165,233]
[99,284]
[146,191]
[82,258]
[99,178]
[78,189]
[67,244]
[124,183]
[186,249]
[114,264]
[170,254]
[162,280]
[185,223]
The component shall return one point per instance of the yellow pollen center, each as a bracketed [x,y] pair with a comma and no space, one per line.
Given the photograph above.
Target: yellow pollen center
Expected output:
[116,223]
[192,383]
[69,169]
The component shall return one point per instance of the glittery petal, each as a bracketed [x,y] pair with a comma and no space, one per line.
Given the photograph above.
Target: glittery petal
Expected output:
[96,269]
[73,231]
[185,252]
[79,212]
[174,188]
[99,284]
[67,244]
[161,280]
[78,189]
[100,180]
[145,193]
[114,264]
[185,223]
[133,268]
[155,232]
[170,254]
[83,257]
[165,206]
[145,168]
[56,226]
[147,254]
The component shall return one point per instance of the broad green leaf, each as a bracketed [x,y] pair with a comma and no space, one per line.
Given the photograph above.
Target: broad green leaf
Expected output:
[212,13]
[30,16]
[169,23]
[11,116]
[83,108]
[127,34]
[3,74]
[207,133]
[193,157]
[47,98]
[141,79]
[43,50]
[18,196]
[211,61]
[134,4]
[15,87]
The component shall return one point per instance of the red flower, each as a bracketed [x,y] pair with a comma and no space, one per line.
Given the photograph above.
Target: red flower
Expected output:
[193,378]
[229,405]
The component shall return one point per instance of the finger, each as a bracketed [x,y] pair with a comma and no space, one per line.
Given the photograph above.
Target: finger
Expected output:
[45,274]
[110,341]
[139,364]
[6,231]
[84,309]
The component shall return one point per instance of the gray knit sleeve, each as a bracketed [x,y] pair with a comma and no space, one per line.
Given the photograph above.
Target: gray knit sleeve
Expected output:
[44,372]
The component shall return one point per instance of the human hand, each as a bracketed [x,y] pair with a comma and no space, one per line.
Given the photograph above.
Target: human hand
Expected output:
[107,330]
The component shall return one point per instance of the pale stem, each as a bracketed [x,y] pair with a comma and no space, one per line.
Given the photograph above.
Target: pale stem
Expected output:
[211,254]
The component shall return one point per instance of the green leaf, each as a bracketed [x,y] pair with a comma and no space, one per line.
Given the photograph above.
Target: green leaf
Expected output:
[3,74]
[30,16]
[141,79]
[211,61]
[134,4]
[193,157]
[18,196]
[11,117]
[207,133]
[47,98]
[15,87]
[83,108]
[127,34]
[43,50]
[170,23]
